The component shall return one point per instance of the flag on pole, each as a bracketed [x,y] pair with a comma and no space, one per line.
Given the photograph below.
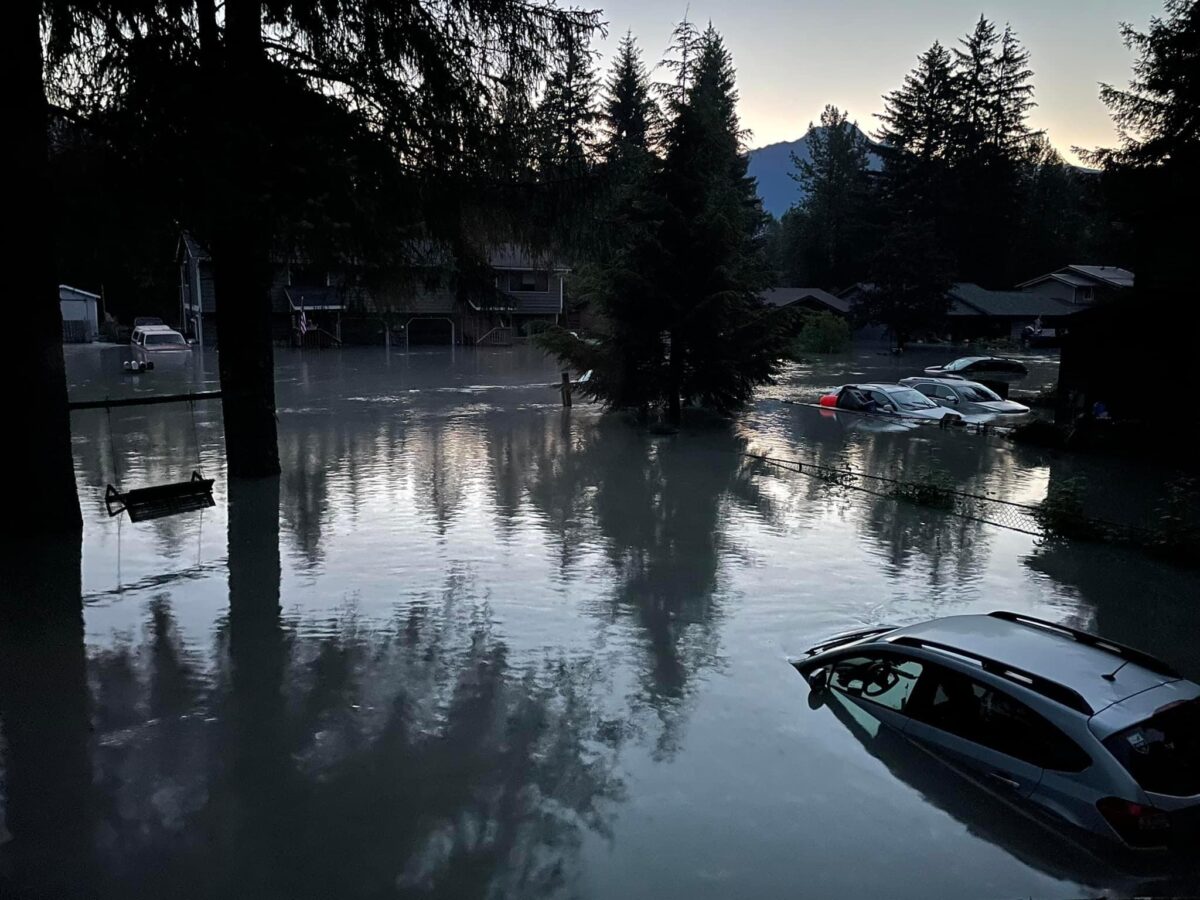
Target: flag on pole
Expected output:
[303,324]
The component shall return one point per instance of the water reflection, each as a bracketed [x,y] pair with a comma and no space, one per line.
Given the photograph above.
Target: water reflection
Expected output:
[297,758]
[49,807]
[467,637]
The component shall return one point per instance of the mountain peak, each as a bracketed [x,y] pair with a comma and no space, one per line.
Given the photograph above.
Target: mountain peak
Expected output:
[772,166]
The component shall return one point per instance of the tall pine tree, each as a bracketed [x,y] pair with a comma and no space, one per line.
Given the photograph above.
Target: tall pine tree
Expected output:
[681,294]
[566,118]
[828,231]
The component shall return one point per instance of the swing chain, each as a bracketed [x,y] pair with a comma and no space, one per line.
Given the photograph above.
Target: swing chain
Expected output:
[112,446]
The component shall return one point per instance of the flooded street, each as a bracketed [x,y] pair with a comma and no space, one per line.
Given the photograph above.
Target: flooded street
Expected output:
[491,647]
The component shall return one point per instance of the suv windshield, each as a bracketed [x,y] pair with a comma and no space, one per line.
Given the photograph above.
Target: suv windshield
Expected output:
[977,393]
[910,399]
[1163,752]
[167,339]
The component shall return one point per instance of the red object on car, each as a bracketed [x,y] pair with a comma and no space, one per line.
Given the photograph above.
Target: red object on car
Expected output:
[829,400]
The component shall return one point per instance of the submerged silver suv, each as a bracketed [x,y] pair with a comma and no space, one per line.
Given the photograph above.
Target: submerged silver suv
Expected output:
[1096,735]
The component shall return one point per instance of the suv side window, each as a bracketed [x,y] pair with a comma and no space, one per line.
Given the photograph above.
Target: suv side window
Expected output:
[984,715]
[884,679]
[929,390]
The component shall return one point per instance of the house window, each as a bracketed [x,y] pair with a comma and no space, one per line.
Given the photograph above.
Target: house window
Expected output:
[529,281]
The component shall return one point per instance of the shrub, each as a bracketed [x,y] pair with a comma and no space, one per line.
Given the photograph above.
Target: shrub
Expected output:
[823,332]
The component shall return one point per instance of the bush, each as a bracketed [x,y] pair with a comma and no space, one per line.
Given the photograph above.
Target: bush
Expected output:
[1061,513]
[932,489]
[823,332]
[536,327]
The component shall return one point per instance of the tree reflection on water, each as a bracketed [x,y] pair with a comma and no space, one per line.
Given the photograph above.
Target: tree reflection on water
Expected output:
[295,758]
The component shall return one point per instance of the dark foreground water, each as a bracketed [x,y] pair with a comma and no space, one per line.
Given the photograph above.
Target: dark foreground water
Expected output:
[470,644]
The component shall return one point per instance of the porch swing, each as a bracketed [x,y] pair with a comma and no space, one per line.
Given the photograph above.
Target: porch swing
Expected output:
[159,500]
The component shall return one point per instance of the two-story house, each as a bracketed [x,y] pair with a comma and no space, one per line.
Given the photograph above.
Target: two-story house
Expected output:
[428,306]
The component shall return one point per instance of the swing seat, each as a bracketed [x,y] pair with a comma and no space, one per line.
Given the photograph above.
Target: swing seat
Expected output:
[161,500]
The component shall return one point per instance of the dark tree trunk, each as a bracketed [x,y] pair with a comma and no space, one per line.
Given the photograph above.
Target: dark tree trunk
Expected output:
[48,803]
[39,453]
[241,247]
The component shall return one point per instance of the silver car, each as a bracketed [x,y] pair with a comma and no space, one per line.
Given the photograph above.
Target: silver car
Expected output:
[887,399]
[1086,733]
[967,397]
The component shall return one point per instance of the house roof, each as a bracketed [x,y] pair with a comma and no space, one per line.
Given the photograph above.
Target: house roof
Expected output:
[1086,276]
[192,247]
[1109,275]
[510,256]
[969,299]
[79,295]
[786,296]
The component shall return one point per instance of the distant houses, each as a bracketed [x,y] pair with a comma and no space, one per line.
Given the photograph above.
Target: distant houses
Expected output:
[1080,285]
[976,313]
[428,303]
[1041,308]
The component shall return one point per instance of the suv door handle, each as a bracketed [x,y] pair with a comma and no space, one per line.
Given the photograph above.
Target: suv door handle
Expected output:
[1001,778]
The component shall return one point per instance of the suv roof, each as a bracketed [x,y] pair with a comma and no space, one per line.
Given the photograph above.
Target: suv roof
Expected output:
[1082,663]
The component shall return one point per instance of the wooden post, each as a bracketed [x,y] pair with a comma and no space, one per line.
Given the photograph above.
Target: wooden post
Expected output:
[566,389]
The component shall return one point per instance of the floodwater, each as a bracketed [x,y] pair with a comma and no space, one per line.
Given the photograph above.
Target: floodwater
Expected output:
[470,644]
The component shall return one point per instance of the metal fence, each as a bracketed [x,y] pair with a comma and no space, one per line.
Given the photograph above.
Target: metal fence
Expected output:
[1020,517]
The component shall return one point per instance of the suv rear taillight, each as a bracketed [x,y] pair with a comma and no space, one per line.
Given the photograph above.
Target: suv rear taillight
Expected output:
[1138,825]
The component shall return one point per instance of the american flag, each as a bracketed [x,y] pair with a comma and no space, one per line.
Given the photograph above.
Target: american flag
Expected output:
[303,324]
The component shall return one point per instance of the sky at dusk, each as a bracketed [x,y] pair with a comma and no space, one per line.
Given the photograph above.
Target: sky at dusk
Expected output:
[794,56]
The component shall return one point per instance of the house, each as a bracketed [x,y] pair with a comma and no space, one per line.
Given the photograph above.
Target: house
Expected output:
[307,301]
[1080,285]
[197,294]
[813,299]
[977,312]
[515,289]
[80,314]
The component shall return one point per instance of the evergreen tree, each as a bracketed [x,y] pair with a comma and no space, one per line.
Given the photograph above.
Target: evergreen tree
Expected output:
[1156,114]
[1153,175]
[916,137]
[910,279]
[956,150]
[681,294]
[831,224]
[566,118]
[630,117]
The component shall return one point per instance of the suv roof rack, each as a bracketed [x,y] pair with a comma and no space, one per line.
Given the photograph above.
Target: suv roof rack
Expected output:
[1039,684]
[1145,660]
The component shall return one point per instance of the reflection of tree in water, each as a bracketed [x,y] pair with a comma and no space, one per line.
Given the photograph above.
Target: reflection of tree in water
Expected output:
[47,800]
[658,503]
[1128,597]
[332,758]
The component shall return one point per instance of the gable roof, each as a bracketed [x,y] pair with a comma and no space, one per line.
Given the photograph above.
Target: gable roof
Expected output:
[1086,276]
[786,296]
[1112,276]
[969,299]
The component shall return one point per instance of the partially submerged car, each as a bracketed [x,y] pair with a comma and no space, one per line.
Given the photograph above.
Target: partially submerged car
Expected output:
[155,338]
[967,397]
[997,369]
[1087,734]
[889,400]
